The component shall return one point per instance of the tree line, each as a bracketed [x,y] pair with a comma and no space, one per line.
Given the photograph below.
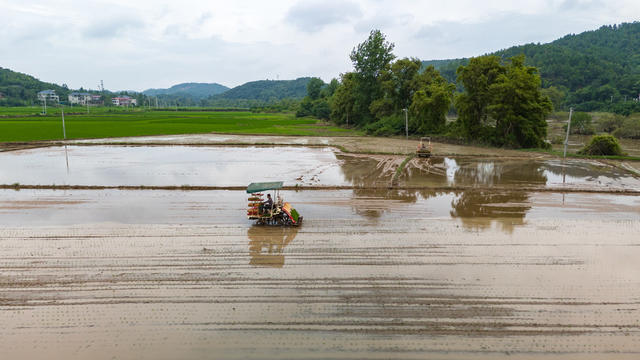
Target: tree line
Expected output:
[593,71]
[501,102]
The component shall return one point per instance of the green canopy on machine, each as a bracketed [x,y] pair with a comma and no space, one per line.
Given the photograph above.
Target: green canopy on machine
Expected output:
[263,186]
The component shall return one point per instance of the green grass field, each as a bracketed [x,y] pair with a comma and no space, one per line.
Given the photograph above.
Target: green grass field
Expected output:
[100,124]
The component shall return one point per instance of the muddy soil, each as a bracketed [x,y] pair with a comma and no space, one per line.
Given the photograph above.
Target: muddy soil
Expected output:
[370,274]
[458,261]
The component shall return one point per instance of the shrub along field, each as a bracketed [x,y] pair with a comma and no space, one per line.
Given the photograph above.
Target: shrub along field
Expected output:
[101,124]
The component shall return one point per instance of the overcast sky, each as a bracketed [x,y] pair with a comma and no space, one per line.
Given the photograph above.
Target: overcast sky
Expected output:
[143,43]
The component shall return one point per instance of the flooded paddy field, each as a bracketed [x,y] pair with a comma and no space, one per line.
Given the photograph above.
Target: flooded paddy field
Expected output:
[303,166]
[493,272]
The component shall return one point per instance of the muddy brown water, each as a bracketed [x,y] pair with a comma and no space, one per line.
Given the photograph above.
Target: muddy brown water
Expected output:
[370,274]
[492,272]
[233,166]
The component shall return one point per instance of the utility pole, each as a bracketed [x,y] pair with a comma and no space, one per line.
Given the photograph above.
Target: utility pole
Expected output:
[406,122]
[45,105]
[64,130]
[566,139]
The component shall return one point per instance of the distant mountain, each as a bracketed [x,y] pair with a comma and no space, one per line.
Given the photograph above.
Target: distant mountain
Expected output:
[17,89]
[195,90]
[595,69]
[267,90]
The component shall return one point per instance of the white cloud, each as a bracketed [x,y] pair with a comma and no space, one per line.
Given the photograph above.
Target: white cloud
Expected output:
[312,16]
[113,27]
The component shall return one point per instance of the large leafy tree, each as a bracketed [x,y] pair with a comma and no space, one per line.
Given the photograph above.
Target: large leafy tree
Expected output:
[397,85]
[314,86]
[519,107]
[502,104]
[370,58]
[472,105]
[430,102]
[374,95]
[344,99]
[401,83]
[316,103]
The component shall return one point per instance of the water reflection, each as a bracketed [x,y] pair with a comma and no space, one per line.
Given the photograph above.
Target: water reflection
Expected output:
[480,209]
[373,203]
[66,157]
[366,171]
[170,165]
[476,209]
[232,166]
[267,243]
[499,172]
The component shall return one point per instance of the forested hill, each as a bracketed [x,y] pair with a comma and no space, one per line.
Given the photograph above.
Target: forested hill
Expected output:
[595,69]
[18,89]
[195,90]
[267,90]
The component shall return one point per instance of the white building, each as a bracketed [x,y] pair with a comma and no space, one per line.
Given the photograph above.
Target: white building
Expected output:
[48,95]
[79,98]
[124,101]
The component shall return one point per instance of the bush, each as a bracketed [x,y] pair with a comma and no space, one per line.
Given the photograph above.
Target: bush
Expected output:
[630,128]
[321,109]
[387,126]
[581,124]
[557,140]
[305,108]
[602,145]
[609,123]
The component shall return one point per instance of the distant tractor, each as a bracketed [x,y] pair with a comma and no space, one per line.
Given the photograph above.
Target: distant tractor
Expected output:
[424,148]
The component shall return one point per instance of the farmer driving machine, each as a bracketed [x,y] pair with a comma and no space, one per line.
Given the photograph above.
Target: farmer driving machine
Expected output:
[273,212]
[424,148]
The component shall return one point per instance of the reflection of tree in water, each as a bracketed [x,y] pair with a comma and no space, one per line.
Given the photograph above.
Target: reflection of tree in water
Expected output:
[479,209]
[476,209]
[517,172]
[266,244]
[367,172]
[372,203]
